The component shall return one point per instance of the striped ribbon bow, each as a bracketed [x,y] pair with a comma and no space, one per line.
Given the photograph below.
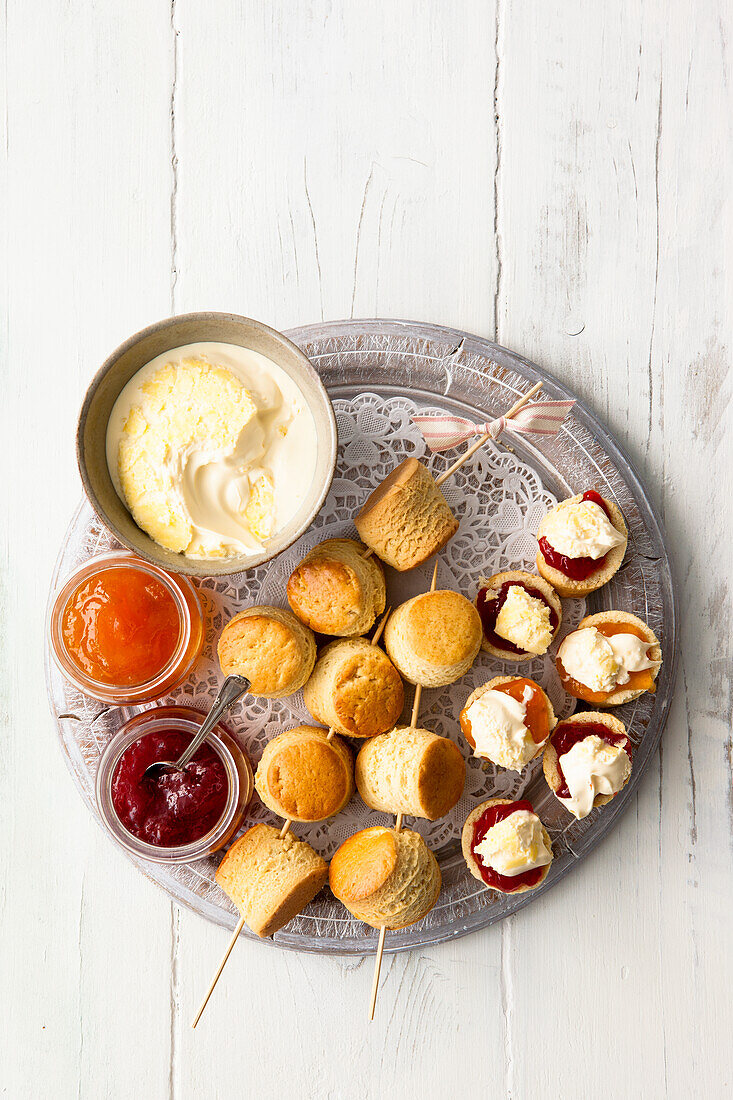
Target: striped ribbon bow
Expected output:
[443,432]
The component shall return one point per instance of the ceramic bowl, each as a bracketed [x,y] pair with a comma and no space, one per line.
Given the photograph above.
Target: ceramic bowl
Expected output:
[114,375]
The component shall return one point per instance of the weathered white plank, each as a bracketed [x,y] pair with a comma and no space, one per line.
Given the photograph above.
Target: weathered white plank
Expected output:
[86,218]
[614,276]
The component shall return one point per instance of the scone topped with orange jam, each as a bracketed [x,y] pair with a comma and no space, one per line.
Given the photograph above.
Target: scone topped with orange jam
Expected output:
[582,542]
[587,761]
[507,721]
[520,614]
[611,658]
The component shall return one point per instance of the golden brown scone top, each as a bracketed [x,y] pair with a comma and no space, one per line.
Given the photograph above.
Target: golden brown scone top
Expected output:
[273,654]
[443,627]
[315,588]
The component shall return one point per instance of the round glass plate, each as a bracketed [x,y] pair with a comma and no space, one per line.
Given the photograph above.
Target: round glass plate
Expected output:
[379,373]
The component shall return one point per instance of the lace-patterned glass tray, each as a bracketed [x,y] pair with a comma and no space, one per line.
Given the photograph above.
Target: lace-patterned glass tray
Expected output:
[378,374]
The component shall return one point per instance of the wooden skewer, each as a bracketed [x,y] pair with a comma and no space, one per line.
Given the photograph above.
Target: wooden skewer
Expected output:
[484,438]
[377,971]
[222,964]
[283,833]
[398,826]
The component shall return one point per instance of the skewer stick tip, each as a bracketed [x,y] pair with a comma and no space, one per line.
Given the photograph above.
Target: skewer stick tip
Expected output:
[377,969]
[222,964]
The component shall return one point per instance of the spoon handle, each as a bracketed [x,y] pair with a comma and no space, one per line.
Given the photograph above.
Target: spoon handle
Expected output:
[232,689]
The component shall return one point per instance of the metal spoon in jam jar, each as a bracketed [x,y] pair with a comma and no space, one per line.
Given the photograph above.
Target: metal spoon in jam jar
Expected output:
[233,688]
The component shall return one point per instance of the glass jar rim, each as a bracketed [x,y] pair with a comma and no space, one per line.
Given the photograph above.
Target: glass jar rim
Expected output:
[119,559]
[135,728]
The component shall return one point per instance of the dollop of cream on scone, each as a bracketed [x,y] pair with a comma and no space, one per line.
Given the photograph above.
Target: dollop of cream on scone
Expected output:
[524,621]
[580,529]
[498,727]
[590,768]
[603,663]
[515,845]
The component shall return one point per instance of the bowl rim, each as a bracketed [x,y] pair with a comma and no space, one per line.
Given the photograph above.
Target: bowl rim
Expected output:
[190,566]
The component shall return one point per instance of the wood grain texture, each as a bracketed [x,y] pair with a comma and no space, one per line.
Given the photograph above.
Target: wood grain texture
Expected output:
[557,175]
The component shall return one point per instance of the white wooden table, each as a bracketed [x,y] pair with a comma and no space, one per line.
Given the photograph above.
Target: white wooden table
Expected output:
[554,175]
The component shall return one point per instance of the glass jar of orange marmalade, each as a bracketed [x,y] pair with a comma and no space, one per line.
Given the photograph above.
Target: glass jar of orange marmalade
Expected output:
[125,631]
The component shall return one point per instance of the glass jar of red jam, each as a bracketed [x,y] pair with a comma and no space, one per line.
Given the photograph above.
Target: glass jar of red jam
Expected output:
[179,817]
[125,631]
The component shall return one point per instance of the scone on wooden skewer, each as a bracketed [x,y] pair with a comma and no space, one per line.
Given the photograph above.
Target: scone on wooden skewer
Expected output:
[270,878]
[508,721]
[411,771]
[355,688]
[433,639]
[386,878]
[582,542]
[336,590]
[612,658]
[520,615]
[506,846]
[406,519]
[269,646]
[305,775]
[587,761]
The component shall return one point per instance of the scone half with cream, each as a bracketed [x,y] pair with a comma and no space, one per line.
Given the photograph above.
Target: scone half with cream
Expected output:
[582,542]
[506,846]
[508,721]
[520,614]
[587,761]
[612,658]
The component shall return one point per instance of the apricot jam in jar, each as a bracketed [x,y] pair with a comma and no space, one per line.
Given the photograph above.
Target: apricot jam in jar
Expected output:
[125,631]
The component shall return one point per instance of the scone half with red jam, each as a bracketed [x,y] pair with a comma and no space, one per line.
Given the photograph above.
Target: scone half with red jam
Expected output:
[612,658]
[521,614]
[508,721]
[582,542]
[587,761]
[506,846]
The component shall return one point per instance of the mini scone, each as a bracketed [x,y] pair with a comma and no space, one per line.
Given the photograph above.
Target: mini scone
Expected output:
[411,771]
[270,647]
[406,519]
[506,846]
[304,776]
[582,542]
[433,638]
[270,879]
[587,761]
[520,614]
[386,878]
[612,658]
[336,590]
[508,721]
[355,688]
